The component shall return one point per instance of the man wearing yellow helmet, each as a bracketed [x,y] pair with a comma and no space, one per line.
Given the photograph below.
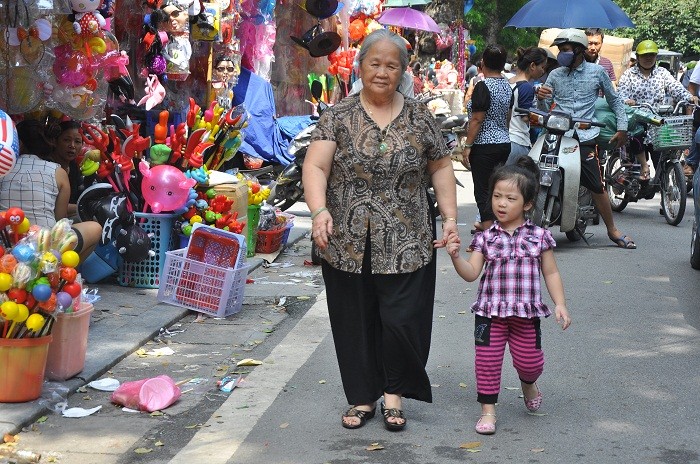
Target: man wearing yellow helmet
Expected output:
[648,83]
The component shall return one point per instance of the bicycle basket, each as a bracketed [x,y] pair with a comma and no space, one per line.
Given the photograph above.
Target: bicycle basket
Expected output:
[675,133]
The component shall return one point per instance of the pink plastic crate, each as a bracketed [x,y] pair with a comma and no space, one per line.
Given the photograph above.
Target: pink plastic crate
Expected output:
[202,287]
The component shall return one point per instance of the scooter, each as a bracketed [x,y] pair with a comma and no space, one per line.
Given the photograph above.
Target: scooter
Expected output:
[288,188]
[561,200]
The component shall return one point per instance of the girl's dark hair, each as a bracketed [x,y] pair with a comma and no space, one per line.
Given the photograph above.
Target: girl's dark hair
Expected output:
[494,57]
[221,58]
[526,56]
[526,175]
[31,135]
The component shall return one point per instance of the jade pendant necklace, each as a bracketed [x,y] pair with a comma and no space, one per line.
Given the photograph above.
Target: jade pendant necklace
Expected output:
[383,146]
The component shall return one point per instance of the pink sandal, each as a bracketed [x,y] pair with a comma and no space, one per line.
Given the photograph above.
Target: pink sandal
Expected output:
[535,403]
[485,428]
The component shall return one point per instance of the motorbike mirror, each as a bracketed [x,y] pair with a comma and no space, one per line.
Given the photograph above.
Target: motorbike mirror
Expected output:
[316,89]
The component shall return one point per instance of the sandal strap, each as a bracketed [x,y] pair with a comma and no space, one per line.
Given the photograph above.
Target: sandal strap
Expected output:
[354,412]
[393,412]
[488,415]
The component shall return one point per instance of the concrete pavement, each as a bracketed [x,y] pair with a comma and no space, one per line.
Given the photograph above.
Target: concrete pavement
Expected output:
[124,320]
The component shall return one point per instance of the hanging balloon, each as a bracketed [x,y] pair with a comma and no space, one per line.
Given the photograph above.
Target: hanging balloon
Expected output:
[9,143]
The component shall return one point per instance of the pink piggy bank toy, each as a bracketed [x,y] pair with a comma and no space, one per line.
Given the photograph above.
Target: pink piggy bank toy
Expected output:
[164,187]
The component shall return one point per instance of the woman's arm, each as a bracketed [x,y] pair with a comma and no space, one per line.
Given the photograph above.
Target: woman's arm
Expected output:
[317,169]
[61,206]
[475,122]
[442,177]
[555,287]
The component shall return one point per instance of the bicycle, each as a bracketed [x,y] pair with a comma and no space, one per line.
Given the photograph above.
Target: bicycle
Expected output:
[623,180]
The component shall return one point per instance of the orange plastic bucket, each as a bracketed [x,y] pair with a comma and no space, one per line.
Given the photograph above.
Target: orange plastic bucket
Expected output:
[22,364]
[67,350]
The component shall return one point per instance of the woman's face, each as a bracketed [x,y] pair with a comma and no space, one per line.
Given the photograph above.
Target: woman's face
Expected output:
[381,69]
[179,19]
[68,145]
[223,71]
[537,70]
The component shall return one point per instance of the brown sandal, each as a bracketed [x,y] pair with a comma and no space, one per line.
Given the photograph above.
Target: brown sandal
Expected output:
[364,416]
[393,412]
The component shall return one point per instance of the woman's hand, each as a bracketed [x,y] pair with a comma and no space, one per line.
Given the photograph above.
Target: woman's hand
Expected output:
[449,228]
[465,158]
[322,228]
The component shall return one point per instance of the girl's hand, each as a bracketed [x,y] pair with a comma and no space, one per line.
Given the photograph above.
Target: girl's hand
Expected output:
[453,245]
[562,316]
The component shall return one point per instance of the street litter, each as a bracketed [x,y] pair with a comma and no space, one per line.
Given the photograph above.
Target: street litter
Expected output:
[107,384]
[285,264]
[149,395]
[80,412]
[165,351]
[249,362]
[228,383]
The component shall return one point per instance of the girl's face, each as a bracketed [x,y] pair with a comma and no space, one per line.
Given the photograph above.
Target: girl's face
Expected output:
[537,70]
[68,145]
[381,68]
[508,204]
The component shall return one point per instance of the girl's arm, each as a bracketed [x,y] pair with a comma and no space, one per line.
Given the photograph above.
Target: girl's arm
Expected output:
[552,279]
[470,269]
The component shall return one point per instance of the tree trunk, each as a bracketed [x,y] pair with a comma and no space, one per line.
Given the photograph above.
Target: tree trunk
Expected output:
[442,11]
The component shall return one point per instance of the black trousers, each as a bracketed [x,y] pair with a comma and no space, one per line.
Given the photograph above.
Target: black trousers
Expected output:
[381,325]
[484,159]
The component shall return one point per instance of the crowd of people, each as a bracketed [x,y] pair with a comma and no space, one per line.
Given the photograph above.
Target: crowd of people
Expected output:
[372,158]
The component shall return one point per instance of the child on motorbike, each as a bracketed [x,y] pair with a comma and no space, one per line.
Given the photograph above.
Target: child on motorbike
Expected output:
[509,301]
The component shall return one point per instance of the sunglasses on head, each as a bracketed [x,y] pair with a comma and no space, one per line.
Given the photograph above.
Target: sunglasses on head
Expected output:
[225,68]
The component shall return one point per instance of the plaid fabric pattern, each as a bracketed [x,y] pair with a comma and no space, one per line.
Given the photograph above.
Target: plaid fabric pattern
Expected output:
[510,285]
[31,185]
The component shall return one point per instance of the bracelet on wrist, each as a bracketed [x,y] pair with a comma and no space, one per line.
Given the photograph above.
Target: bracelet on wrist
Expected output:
[317,212]
[468,145]
[445,219]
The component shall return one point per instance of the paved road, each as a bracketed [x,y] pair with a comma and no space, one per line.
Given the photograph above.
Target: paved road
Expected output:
[621,385]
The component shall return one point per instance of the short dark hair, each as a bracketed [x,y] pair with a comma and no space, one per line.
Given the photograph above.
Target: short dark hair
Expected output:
[591,31]
[495,57]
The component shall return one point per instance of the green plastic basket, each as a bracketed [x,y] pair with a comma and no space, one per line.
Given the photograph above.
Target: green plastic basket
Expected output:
[675,133]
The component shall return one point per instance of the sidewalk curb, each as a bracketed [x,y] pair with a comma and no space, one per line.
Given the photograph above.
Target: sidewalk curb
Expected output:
[16,416]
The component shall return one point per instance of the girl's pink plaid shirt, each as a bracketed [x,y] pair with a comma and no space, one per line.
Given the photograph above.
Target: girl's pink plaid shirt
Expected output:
[510,284]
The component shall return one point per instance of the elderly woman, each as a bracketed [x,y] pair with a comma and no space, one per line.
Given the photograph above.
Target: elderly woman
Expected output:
[365,179]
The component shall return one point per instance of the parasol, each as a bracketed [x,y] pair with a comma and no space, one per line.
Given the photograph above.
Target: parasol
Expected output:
[408,18]
[571,13]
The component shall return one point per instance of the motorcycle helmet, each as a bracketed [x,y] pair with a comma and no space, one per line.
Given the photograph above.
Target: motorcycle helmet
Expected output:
[647,46]
[572,36]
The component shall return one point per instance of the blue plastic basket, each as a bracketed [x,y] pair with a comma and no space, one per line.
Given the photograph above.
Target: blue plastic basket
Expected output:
[146,273]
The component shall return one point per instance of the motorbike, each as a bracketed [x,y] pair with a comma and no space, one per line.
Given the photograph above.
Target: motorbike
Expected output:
[561,199]
[622,179]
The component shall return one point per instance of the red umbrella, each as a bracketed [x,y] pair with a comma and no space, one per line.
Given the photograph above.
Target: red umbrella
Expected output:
[409,18]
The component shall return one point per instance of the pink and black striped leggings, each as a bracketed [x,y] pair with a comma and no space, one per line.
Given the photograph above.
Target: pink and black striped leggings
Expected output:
[490,337]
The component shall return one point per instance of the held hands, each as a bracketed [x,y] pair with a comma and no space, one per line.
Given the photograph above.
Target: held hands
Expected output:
[449,228]
[562,316]
[453,245]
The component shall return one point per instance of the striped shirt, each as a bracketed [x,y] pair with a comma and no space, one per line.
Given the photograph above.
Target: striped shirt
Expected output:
[510,285]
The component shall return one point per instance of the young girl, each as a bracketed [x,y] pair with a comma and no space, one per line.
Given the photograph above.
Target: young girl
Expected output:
[509,302]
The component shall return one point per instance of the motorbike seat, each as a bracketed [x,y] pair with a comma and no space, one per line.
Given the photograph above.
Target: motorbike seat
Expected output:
[454,121]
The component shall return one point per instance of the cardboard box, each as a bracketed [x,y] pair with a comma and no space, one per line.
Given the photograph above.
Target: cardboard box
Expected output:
[616,49]
[239,194]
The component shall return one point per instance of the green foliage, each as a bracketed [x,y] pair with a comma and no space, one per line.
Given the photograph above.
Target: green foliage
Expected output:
[486,23]
[674,25]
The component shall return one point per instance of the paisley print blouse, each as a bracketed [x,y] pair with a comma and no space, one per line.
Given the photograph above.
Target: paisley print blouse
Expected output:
[383,193]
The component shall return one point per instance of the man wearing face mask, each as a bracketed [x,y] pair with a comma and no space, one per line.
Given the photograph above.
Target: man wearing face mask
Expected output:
[573,88]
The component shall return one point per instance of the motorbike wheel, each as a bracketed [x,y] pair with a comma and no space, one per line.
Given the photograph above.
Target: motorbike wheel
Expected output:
[673,193]
[538,212]
[285,197]
[695,247]
[613,169]
[585,199]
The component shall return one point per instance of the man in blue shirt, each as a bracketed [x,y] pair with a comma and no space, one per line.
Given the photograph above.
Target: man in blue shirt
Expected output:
[573,88]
